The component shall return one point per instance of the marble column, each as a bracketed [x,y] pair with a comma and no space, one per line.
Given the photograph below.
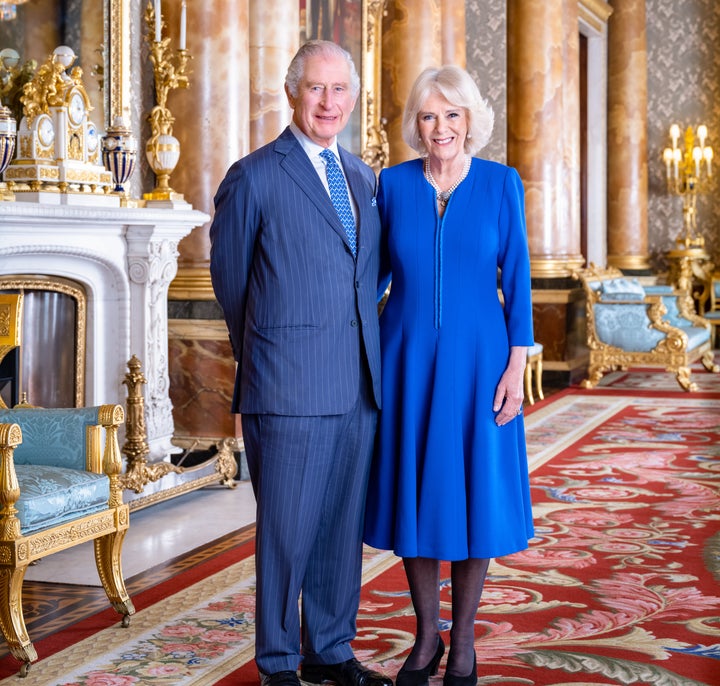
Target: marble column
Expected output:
[627,137]
[212,121]
[543,123]
[411,42]
[544,146]
[274,39]
[452,33]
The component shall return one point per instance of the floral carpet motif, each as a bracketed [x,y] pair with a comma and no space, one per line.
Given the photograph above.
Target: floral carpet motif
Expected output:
[621,584]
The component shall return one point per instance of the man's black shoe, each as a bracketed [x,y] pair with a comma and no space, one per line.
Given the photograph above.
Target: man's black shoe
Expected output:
[285,678]
[348,673]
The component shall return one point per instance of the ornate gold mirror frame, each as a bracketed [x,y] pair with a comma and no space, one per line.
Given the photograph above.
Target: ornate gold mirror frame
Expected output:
[373,138]
[117,60]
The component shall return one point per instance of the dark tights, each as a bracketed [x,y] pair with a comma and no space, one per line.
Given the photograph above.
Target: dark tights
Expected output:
[467,577]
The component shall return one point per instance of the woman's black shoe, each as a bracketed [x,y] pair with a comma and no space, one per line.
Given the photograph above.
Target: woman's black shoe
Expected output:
[469,680]
[419,677]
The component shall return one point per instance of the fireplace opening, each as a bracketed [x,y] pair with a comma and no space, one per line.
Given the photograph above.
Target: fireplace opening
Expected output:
[48,369]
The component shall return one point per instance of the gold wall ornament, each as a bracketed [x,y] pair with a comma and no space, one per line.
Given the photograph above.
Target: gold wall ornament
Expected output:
[688,172]
[163,149]
[373,137]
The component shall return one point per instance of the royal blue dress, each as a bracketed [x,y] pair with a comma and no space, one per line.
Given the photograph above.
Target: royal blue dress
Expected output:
[446,482]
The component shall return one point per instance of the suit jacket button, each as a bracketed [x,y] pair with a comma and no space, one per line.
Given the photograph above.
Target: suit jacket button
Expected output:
[353,323]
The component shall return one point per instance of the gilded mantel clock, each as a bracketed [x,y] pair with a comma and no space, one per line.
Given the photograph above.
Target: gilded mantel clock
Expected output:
[58,147]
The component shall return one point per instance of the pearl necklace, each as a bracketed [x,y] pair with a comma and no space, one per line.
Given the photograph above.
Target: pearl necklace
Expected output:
[443,197]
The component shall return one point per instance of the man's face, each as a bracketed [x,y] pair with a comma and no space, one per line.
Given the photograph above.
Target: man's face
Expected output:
[324,100]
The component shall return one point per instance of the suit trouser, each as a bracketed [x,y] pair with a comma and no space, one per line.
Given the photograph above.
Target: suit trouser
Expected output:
[310,476]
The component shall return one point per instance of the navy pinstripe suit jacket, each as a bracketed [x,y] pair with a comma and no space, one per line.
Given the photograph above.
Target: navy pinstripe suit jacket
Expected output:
[300,310]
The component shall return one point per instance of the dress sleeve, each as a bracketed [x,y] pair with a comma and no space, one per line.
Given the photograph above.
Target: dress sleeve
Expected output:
[385,275]
[514,262]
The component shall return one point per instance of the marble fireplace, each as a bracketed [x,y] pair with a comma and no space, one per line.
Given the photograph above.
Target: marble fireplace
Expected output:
[123,260]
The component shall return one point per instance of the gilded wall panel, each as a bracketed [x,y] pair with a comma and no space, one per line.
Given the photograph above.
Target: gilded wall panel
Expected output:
[683,87]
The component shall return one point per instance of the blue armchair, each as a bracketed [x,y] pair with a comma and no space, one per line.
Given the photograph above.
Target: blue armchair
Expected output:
[59,487]
[631,325]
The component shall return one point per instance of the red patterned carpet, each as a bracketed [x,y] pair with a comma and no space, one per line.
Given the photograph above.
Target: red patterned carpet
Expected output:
[620,585]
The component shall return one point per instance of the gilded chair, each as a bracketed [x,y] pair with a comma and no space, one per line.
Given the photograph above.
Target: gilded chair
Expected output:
[59,487]
[10,333]
[533,368]
[713,314]
[632,325]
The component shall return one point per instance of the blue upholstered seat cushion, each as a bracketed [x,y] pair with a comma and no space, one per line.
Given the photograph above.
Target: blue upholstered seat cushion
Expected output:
[621,289]
[54,437]
[52,495]
[534,349]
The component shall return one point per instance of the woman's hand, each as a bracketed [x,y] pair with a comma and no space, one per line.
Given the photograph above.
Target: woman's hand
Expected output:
[510,391]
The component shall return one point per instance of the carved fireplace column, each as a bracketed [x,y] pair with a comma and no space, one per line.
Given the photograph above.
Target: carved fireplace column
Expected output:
[627,137]
[543,144]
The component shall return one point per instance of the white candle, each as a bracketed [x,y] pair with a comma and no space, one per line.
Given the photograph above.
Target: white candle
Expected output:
[183,25]
[674,134]
[668,157]
[708,154]
[702,134]
[676,162]
[158,22]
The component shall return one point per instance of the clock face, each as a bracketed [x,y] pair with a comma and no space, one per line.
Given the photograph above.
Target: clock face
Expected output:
[92,137]
[45,130]
[76,108]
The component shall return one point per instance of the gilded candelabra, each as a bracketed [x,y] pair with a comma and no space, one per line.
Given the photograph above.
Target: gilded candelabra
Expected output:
[163,149]
[688,172]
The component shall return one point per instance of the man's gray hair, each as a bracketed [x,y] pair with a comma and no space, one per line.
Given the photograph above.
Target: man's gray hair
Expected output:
[313,48]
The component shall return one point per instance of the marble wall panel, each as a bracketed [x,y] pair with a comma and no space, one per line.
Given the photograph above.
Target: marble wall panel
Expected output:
[683,87]
[202,377]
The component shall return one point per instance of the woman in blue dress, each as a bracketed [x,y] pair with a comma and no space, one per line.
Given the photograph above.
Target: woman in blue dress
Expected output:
[449,479]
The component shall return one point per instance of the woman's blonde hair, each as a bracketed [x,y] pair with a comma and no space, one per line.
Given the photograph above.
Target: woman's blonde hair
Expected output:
[459,89]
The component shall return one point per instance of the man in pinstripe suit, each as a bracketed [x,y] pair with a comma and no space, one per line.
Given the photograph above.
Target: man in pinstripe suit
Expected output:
[299,295]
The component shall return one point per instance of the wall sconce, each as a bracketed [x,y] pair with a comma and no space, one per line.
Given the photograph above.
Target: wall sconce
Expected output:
[688,172]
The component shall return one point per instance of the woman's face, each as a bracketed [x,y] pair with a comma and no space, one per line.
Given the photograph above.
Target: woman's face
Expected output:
[443,128]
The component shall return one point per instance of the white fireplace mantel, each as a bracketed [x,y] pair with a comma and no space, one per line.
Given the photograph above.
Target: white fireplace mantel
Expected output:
[125,259]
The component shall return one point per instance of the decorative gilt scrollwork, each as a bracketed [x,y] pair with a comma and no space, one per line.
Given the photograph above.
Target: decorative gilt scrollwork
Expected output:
[139,472]
[373,137]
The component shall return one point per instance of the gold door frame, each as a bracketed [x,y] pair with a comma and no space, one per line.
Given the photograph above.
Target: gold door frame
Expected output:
[373,137]
[117,41]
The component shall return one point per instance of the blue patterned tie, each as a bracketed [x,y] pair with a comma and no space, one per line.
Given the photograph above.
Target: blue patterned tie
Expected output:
[339,196]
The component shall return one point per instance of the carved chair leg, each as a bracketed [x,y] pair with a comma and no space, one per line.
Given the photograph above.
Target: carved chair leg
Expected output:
[12,621]
[708,360]
[108,560]
[683,378]
[595,373]
[528,384]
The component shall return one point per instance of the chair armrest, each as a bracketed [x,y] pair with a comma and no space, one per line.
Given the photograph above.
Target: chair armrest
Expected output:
[10,438]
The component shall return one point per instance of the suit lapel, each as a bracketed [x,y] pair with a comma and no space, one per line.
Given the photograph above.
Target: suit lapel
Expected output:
[298,166]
